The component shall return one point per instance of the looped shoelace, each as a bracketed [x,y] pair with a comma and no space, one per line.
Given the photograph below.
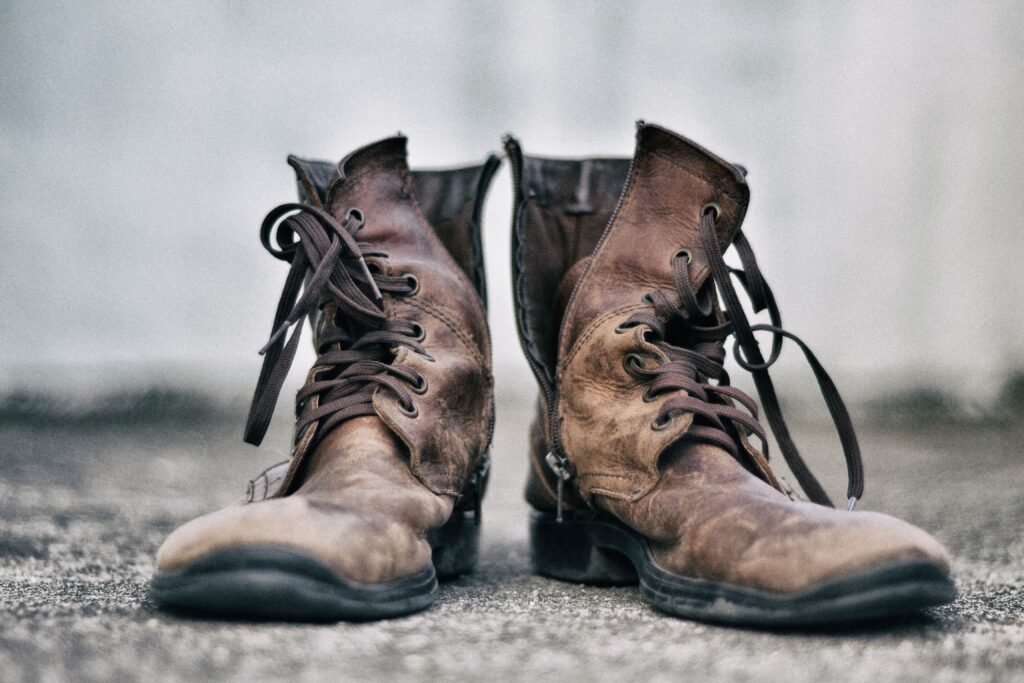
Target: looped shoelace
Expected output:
[357,345]
[693,367]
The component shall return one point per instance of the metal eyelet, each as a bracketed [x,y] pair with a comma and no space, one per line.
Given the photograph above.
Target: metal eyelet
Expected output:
[648,397]
[356,215]
[631,363]
[414,283]
[409,412]
[419,333]
[682,252]
[713,206]
[420,387]
[658,424]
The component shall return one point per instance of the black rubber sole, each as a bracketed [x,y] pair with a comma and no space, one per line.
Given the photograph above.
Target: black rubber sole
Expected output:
[603,552]
[280,583]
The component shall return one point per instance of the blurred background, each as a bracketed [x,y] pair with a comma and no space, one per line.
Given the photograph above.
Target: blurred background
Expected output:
[144,141]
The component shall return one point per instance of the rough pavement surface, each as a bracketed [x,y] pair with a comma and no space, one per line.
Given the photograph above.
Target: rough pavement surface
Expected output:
[83,508]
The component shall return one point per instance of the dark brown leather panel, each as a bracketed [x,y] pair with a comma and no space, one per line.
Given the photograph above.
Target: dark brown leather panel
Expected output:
[453,201]
[562,208]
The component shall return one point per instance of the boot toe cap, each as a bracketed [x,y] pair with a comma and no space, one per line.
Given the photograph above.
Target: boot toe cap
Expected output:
[841,545]
[361,547]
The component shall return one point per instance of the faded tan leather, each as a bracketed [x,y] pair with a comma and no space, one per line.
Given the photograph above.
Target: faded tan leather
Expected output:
[360,510]
[577,279]
[710,518]
[364,499]
[613,448]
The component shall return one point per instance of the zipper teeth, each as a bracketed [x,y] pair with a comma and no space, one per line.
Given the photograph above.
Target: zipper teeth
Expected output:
[552,405]
[488,170]
[516,157]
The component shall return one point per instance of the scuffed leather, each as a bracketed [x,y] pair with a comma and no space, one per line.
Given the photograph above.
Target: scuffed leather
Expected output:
[705,514]
[671,180]
[606,423]
[448,437]
[365,498]
[360,510]
[709,518]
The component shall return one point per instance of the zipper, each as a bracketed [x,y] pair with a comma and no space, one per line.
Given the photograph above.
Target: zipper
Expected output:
[555,458]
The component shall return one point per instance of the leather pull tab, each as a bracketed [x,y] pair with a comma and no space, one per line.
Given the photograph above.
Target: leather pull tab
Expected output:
[582,203]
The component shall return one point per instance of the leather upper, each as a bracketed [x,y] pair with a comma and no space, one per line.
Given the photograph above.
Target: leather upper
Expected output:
[577,278]
[448,436]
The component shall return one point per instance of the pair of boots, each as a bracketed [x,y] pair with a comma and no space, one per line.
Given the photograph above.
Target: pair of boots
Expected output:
[646,465]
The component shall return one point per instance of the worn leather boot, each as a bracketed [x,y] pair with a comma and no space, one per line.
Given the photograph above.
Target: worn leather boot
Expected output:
[646,465]
[381,496]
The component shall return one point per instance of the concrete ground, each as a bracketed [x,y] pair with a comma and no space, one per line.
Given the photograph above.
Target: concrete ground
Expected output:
[83,508]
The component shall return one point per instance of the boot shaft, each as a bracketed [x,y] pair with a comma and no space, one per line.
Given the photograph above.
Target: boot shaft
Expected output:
[593,237]
[562,213]
[620,317]
[441,406]
[561,209]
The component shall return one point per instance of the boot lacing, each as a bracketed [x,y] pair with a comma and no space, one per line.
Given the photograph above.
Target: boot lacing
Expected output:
[357,348]
[695,349]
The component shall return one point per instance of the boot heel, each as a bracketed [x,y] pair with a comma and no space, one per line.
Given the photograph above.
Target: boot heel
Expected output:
[456,545]
[565,550]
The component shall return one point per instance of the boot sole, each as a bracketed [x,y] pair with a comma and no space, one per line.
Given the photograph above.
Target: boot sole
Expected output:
[281,583]
[603,552]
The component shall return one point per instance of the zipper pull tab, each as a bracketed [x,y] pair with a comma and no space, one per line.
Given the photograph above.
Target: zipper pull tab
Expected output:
[560,466]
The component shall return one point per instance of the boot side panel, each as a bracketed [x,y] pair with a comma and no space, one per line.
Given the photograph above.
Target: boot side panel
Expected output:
[607,429]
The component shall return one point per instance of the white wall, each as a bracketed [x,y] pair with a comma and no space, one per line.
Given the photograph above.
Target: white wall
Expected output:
[142,142]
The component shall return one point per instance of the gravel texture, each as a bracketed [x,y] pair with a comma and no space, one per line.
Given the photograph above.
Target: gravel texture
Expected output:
[83,508]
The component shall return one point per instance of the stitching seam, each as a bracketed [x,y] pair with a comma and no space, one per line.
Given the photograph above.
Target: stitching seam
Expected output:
[445,318]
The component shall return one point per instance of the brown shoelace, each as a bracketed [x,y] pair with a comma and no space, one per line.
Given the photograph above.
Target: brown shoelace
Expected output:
[695,349]
[356,348]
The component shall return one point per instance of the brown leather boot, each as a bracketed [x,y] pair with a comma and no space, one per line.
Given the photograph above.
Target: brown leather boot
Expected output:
[381,495]
[643,466]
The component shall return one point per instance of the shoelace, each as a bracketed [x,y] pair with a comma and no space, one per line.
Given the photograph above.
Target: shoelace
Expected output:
[357,344]
[692,368]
